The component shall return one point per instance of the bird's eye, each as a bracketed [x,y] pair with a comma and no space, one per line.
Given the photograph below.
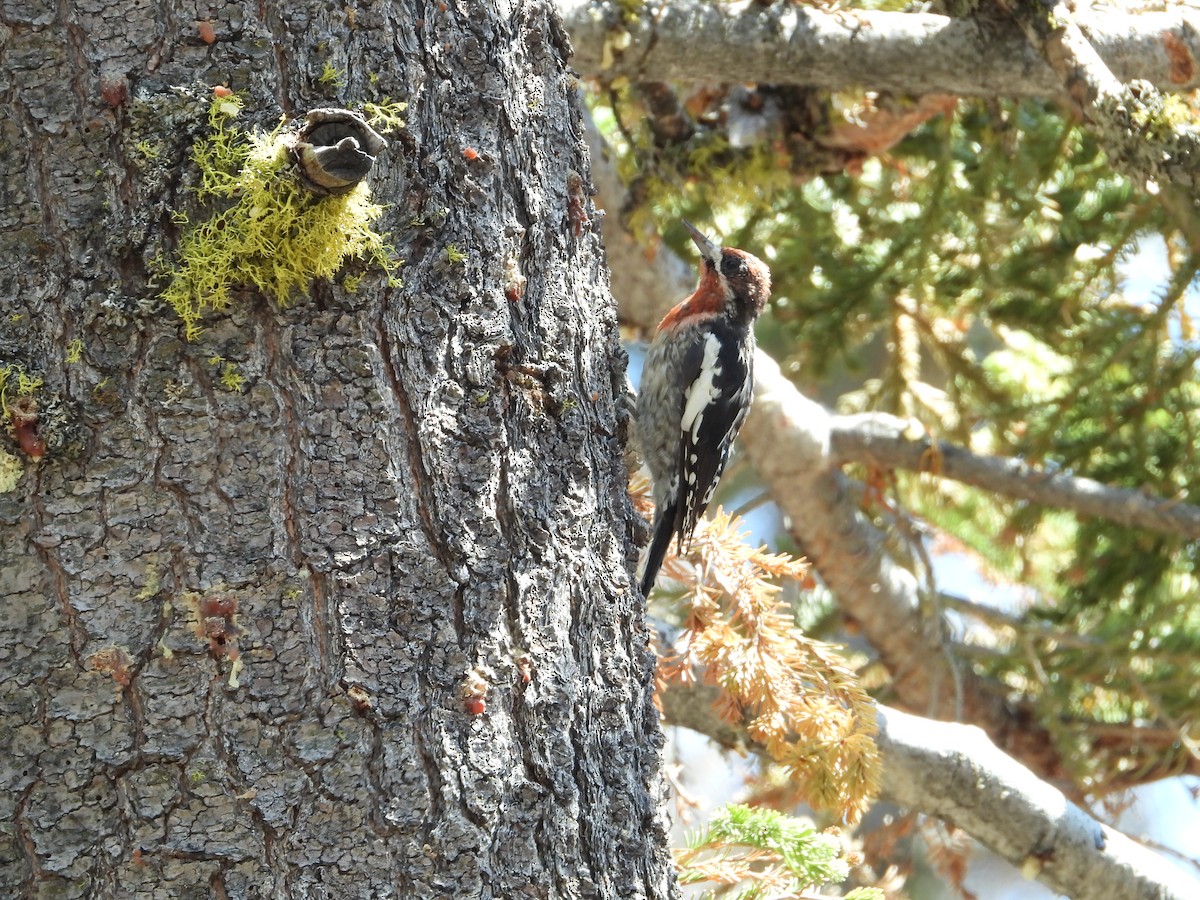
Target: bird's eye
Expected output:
[733,266]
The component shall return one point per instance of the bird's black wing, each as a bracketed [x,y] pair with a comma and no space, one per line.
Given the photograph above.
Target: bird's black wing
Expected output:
[716,381]
[718,375]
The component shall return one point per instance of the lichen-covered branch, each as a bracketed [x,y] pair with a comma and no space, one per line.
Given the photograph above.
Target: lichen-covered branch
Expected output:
[1145,134]
[890,442]
[915,53]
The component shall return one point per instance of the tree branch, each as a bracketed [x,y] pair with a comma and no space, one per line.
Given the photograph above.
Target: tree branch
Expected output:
[1018,624]
[787,438]
[955,773]
[894,443]
[915,53]
[1139,134]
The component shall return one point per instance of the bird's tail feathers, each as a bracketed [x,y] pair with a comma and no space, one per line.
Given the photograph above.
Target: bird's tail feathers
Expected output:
[664,530]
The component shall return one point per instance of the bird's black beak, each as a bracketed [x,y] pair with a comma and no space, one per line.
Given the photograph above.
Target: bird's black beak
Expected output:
[709,250]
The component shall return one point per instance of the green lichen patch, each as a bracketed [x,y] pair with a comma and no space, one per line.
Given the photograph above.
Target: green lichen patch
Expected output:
[10,471]
[19,416]
[332,75]
[266,232]
[385,115]
[15,381]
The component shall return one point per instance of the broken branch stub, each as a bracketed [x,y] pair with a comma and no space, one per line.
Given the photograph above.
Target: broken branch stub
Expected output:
[335,150]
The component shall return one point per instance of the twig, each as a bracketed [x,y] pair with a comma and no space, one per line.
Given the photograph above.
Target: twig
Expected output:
[1019,625]
[890,442]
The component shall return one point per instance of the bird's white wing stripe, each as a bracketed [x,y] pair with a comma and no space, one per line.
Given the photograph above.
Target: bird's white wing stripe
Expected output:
[701,392]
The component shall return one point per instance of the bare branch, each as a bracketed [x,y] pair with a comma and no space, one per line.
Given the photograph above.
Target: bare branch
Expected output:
[893,443]
[916,53]
[954,772]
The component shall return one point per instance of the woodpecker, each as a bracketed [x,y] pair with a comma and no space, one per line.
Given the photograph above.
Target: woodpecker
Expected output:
[695,391]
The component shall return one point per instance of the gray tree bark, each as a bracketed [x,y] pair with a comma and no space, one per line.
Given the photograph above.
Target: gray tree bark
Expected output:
[244,635]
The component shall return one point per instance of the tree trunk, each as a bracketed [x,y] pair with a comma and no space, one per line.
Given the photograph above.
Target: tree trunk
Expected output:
[362,625]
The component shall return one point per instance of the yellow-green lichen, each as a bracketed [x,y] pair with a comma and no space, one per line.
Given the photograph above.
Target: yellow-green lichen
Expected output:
[1159,116]
[331,74]
[10,471]
[14,380]
[267,232]
[385,116]
[231,379]
[147,149]
[153,581]
[75,351]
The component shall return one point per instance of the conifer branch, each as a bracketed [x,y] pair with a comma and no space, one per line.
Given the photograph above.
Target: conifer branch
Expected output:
[789,439]
[747,852]
[797,696]
[912,53]
[890,442]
